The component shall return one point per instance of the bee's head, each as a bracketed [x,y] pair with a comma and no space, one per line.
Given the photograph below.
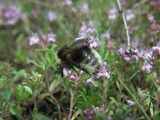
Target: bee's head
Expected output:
[60,52]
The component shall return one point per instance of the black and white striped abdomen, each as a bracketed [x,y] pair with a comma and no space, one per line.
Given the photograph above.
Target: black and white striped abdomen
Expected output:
[92,61]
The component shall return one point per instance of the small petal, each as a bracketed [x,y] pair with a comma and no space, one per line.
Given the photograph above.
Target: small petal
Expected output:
[65,72]
[156,48]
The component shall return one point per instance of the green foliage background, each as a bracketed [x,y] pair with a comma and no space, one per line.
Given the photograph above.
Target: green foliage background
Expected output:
[30,86]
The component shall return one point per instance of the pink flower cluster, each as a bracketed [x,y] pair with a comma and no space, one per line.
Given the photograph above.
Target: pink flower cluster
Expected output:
[90,113]
[128,56]
[87,30]
[42,40]
[10,15]
[148,56]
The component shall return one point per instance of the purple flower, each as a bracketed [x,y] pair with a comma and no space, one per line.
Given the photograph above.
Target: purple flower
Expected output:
[10,14]
[156,48]
[94,42]
[102,72]
[130,15]
[150,17]
[128,57]
[72,75]
[86,30]
[107,35]
[90,113]
[147,67]
[51,37]
[145,54]
[51,15]
[67,2]
[112,13]
[85,8]
[34,39]
[42,40]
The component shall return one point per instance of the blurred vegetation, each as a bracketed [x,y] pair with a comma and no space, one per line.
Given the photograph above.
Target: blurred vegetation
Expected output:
[32,88]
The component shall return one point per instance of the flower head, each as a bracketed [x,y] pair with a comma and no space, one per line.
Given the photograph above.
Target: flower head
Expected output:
[10,14]
[90,113]
[42,40]
[86,30]
[107,35]
[102,71]
[67,2]
[84,8]
[130,15]
[112,13]
[150,17]
[51,37]
[147,67]
[145,54]
[94,42]
[128,57]
[34,39]
[72,75]
[51,15]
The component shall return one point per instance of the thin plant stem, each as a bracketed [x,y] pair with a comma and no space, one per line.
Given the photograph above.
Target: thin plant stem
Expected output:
[121,79]
[120,7]
[71,104]
[58,106]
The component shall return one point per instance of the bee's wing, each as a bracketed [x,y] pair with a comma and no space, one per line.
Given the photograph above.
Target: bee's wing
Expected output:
[77,45]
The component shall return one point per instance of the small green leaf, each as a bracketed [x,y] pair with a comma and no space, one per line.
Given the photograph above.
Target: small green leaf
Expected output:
[28,89]
[54,85]
[5,94]
[101,116]
[16,110]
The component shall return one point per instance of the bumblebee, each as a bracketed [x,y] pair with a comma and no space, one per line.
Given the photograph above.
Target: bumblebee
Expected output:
[79,55]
